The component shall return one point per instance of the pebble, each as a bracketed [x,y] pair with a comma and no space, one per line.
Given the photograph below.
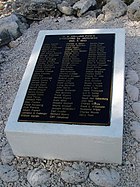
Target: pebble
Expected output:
[138,156]
[75,174]
[13,44]
[132,77]
[68,18]
[105,177]
[136,108]
[7,154]
[38,177]
[101,17]
[135,128]
[133,92]
[1,6]
[8,173]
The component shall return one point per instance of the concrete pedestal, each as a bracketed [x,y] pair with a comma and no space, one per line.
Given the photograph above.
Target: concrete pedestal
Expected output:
[71,142]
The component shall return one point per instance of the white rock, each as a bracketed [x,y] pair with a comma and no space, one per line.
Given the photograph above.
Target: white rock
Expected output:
[135,130]
[114,9]
[104,177]
[132,77]
[11,28]
[65,8]
[7,154]
[10,24]
[134,11]
[133,92]
[83,5]
[75,174]
[136,108]
[38,177]
[8,173]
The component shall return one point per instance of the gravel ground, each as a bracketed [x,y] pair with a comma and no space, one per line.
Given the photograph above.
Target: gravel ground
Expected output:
[6,7]
[16,171]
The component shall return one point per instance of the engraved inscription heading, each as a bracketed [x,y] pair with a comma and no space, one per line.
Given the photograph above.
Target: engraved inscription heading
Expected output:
[72,81]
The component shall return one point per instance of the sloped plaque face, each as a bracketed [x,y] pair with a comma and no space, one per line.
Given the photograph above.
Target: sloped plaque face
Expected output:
[72,81]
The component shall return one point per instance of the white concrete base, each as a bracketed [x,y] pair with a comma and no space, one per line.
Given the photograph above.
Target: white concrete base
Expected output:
[71,142]
[67,146]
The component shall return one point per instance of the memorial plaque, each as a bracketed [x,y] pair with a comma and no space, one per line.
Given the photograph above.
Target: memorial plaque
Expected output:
[72,80]
[68,105]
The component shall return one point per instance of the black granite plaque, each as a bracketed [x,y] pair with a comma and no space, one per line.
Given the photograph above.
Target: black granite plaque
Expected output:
[72,81]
